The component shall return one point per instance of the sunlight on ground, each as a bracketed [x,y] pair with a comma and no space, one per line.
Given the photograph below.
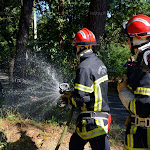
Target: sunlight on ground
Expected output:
[29,135]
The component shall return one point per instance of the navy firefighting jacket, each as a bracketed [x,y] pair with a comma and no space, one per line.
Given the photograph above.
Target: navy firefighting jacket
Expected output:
[138,137]
[139,84]
[90,94]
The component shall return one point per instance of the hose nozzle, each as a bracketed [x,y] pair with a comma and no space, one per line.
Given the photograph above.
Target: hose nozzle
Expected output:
[63,88]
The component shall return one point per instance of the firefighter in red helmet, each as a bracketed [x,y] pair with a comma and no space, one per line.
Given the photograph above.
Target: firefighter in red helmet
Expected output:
[90,96]
[134,91]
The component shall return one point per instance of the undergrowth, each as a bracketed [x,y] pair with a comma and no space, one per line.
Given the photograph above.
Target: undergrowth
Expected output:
[115,136]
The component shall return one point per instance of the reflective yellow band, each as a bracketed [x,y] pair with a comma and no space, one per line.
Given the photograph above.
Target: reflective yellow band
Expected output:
[96,89]
[84,129]
[83,108]
[90,134]
[84,88]
[84,123]
[132,106]
[129,87]
[98,94]
[148,137]
[131,148]
[102,79]
[100,124]
[142,91]
[73,102]
[130,140]
[98,98]
[133,129]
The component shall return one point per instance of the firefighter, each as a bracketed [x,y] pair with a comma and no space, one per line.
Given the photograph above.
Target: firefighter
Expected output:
[134,91]
[90,96]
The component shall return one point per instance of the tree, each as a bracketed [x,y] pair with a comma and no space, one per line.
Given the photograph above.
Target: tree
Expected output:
[9,16]
[117,52]
[97,17]
[22,37]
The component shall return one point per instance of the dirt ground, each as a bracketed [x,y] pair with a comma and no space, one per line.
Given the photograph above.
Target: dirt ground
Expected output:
[26,135]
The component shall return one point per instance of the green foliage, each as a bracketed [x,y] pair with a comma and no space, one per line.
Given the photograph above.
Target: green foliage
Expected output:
[12,116]
[118,53]
[58,21]
[56,29]
[53,121]
[9,22]
[116,134]
[118,56]
[121,11]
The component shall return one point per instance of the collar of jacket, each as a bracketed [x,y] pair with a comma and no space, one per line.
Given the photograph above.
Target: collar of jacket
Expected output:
[86,55]
[144,47]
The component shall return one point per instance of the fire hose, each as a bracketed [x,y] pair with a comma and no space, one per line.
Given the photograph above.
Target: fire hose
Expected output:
[63,88]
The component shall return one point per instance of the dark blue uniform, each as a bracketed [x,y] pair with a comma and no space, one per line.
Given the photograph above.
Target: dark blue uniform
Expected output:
[90,95]
[138,129]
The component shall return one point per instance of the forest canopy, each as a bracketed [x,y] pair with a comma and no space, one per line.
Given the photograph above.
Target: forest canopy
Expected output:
[47,28]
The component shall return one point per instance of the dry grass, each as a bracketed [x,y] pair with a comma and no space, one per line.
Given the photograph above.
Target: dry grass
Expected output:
[16,134]
[31,136]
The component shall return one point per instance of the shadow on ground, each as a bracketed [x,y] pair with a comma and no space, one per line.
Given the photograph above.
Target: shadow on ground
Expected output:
[24,143]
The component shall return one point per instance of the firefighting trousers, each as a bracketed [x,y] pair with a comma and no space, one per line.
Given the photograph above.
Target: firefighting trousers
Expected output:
[98,143]
[137,138]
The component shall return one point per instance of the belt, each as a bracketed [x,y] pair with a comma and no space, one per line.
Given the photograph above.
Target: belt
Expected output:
[94,115]
[138,121]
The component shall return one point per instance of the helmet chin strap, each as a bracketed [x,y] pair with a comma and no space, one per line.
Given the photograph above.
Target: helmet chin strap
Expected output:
[82,50]
[132,47]
[142,56]
[85,51]
[137,46]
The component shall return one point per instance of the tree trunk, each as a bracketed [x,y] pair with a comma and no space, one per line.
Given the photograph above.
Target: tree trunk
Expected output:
[35,27]
[11,65]
[60,9]
[97,17]
[22,38]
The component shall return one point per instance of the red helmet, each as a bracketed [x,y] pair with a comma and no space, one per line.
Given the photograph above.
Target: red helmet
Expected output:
[138,26]
[84,38]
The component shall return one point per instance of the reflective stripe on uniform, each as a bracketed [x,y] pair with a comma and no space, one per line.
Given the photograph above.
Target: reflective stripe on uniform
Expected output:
[130,140]
[100,123]
[102,79]
[91,134]
[84,88]
[96,89]
[133,129]
[129,87]
[84,123]
[130,148]
[97,93]
[148,137]
[98,98]
[132,106]
[142,91]
[73,102]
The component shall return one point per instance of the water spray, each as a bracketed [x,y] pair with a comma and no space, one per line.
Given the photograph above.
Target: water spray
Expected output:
[37,94]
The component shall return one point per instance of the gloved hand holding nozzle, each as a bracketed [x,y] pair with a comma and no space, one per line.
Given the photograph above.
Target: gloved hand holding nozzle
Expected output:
[64,91]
